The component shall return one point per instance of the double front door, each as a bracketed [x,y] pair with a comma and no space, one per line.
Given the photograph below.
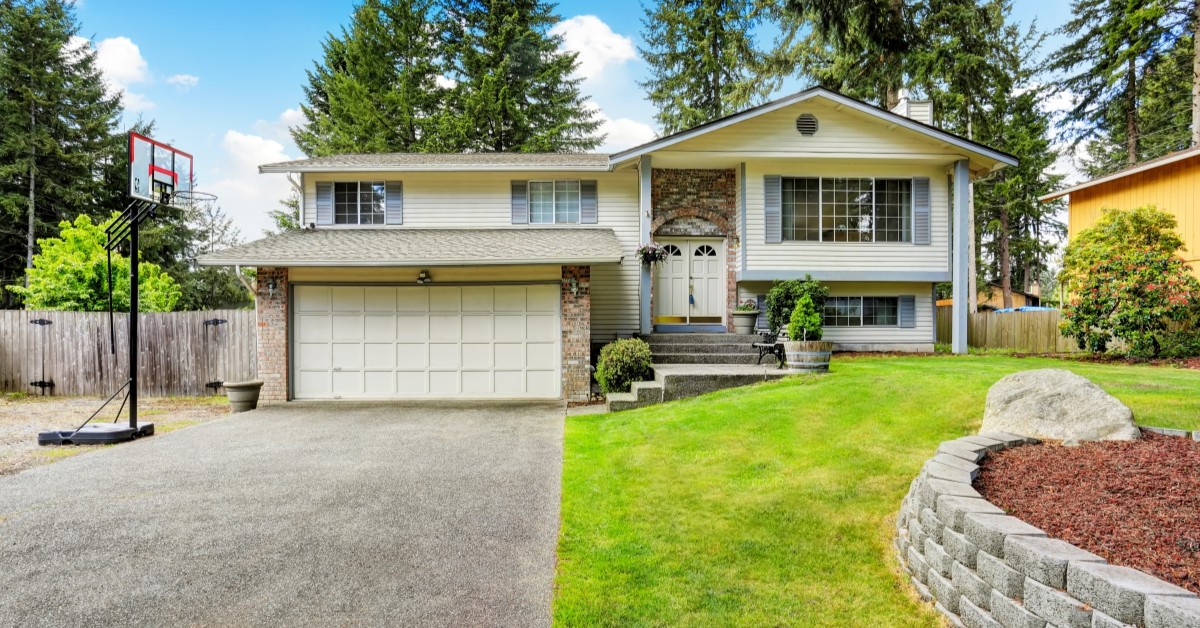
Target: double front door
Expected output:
[689,286]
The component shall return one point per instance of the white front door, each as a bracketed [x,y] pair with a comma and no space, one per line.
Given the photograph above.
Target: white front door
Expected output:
[689,287]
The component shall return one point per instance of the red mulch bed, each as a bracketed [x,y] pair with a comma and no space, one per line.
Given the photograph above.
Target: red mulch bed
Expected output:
[1135,503]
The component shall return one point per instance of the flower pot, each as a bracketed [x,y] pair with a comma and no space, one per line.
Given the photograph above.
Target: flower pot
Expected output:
[808,357]
[743,322]
[243,396]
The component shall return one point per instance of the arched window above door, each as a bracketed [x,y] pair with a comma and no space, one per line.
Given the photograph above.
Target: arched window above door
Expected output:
[705,250]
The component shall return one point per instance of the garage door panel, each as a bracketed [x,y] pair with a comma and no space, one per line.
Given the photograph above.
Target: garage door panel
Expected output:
[427,341]
[347,327]
[477,299]
[412,327]
[379,356]
[442,299]
[412,356]
[346,298]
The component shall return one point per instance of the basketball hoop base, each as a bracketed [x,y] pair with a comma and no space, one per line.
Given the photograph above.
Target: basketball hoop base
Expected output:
[100,434]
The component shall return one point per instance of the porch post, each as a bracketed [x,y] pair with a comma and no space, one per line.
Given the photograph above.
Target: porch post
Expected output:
[962,282]
[645,211]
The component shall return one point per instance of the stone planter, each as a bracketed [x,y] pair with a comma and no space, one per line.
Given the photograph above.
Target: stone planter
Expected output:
[243,396]
[743,322]
[808,357]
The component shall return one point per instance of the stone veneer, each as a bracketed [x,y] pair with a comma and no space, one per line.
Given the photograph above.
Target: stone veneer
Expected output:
[577,334]
[272,334]
[684,200]
[983,568]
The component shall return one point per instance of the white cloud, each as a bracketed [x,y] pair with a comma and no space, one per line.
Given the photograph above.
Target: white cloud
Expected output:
[444,82]
[279,129]
[183,82]
[598,46]
[622,133]
[244,194]
[121,63]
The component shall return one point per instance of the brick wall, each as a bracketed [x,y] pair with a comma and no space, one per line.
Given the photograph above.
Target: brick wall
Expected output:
[273,335]
[576,333]
[982,567]
[699,202]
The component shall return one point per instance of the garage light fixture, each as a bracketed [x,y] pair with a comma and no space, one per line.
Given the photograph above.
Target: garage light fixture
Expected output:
[573,285]
[271,288]
[424,278]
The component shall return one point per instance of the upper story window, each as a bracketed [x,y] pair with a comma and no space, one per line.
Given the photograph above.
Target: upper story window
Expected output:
[845,209]
[359,202]
[554,202]
[862,311]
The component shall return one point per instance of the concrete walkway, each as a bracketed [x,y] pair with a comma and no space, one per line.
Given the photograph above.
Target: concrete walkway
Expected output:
[315,514]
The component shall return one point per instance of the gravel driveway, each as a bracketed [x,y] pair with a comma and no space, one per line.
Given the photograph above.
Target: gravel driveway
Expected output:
[304,514]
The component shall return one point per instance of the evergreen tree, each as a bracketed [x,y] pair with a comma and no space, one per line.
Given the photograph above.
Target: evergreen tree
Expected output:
[702,59]
[210,287]
[287,217]
[57,127]
[376,89]
[514,89]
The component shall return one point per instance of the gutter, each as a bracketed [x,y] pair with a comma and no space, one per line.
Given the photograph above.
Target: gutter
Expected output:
[410,263]
[287,168]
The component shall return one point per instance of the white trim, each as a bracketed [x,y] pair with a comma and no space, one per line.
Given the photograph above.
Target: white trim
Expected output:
[1150,165]
[288,167]
[574,261]
[803,96]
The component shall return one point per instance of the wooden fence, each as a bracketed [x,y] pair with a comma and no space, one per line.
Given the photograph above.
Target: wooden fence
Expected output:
[1031,332]
[179,353]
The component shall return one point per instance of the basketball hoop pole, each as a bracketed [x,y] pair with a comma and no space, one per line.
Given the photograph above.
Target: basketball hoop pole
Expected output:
[133,321]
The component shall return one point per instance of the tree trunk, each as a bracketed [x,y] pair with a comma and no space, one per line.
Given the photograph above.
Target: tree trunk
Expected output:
[1196,73]
[1004,244]
[30,237]
[1131,126]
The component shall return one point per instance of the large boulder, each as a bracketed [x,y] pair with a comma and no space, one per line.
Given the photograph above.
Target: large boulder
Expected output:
[1055,404]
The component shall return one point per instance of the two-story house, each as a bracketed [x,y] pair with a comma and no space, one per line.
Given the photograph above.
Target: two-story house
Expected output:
[493,275]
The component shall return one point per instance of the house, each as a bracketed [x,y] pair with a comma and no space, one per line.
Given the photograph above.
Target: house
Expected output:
[1171,183]
[495,275]
[992,298]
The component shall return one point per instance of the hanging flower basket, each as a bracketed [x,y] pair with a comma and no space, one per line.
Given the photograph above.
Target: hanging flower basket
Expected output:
[651,254]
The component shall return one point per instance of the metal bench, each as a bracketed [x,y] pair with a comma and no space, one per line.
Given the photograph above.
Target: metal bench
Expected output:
[770,344]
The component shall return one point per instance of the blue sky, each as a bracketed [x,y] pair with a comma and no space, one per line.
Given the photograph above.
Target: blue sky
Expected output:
[223,80]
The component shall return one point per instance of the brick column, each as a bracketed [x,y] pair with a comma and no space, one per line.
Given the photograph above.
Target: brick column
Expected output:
[273,335]
[576,334]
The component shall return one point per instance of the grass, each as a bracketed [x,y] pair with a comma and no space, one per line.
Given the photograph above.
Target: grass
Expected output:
[774,505]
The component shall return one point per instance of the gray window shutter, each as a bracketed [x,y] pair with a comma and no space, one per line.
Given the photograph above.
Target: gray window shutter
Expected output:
[907,315]
[761,321]
[394,203]
[520,202]
[921,211]
[588,203]
[324,202]
[773,205]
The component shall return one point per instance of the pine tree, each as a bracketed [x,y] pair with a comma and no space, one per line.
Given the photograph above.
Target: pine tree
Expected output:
[702,59]
[376,89]
[57,127]
[514,89]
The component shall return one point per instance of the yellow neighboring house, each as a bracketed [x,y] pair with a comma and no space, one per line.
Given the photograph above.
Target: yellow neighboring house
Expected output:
[1171,183]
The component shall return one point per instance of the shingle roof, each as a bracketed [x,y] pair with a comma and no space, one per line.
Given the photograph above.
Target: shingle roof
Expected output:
[420,161]
[425,247]
[1151,164]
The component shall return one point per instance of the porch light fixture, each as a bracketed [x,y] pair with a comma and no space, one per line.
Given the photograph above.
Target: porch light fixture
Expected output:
[424,278]
[271,288]
[573,286]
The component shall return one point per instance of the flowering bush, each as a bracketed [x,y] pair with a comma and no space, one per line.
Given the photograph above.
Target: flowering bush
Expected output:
[746,306]
[651,253]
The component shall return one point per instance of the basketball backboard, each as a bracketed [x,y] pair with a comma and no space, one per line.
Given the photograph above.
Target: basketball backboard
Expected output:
[157,171]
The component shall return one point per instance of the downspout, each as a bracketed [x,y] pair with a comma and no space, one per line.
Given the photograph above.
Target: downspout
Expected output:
[298,186]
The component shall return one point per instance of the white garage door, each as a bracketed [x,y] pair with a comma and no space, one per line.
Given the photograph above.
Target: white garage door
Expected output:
[379,342]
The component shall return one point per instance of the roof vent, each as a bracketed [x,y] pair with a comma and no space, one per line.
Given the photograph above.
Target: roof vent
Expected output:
[806,124]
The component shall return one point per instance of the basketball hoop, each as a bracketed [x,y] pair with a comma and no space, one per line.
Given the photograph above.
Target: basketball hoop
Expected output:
[190,198]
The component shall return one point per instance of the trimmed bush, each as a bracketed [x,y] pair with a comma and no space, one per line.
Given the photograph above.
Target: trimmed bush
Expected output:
[806,321]
[623,362]
[782,298]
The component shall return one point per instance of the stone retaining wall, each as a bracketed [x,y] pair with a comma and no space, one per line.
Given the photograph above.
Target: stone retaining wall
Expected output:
[983,568]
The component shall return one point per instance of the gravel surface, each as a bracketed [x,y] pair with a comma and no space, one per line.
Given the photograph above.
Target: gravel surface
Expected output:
[335,514]
[21,418]
[1134,503]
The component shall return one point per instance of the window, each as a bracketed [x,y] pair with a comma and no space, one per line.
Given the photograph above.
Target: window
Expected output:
[844,209]
[359,202]
[554,202]
[862,311]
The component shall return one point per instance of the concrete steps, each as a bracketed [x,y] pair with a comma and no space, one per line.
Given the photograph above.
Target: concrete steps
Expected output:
[641,394]
[705,349]
[680,381]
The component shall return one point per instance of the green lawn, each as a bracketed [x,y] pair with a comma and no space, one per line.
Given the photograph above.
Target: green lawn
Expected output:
[774,505]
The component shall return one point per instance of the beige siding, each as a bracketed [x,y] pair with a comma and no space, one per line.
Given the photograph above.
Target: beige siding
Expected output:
[839,133]
[483,199]
[922,334]
[845,256]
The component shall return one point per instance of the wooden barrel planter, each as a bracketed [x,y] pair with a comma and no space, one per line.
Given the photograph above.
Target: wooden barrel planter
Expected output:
[808,357]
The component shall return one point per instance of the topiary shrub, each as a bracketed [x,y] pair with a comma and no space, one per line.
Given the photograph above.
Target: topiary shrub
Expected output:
[806,321]
[782,298]
[623,362]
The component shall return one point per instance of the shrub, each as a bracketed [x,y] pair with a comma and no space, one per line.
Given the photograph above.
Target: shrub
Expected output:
[806,321]
[623,362]
[782,298]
